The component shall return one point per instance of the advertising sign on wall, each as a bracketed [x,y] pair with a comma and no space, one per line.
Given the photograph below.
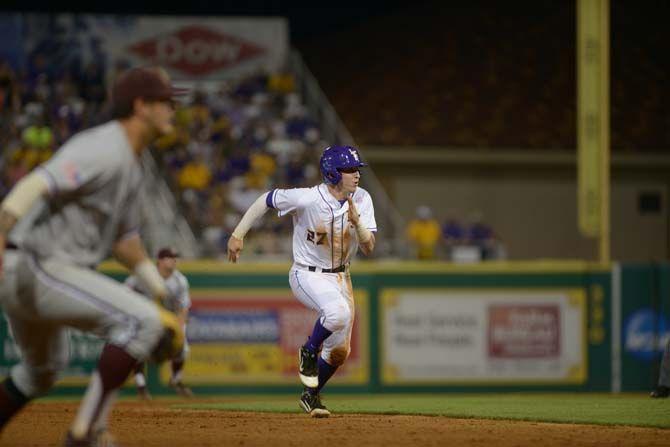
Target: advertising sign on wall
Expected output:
[482,336]
[252,336]
[84,351]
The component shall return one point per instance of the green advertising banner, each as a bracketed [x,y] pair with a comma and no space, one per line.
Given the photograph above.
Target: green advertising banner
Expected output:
[527,326]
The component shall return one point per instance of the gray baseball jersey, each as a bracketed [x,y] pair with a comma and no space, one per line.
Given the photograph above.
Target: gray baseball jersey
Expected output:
[178,297]
[48,283]
[93,181]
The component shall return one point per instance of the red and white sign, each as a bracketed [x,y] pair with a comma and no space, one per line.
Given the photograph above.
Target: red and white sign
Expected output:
[196,50]
[191,49]
[524,331]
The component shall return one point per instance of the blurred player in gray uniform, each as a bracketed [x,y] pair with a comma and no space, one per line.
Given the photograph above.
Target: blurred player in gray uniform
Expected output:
[331,221]
[177,301]
[89,192]
[663,388]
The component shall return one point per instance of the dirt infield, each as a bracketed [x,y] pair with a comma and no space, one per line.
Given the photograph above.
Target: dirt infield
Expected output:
[158,424]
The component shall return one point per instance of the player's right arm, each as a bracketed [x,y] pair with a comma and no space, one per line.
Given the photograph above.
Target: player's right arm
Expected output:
[255,212]
[285,201]
[17,203]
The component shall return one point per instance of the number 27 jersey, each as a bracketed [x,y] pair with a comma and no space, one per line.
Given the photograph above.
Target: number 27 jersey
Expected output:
[322,234]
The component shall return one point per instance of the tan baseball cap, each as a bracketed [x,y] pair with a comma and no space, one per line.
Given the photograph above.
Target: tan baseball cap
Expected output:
[167,252]
[149,83]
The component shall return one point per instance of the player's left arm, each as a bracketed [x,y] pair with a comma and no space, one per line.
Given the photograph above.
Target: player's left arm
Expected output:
[129,249]
[130,252]
[364,224]
[184,302]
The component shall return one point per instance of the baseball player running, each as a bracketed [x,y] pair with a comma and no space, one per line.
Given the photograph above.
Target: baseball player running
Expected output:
[177,301]
[330,221]
[89,189]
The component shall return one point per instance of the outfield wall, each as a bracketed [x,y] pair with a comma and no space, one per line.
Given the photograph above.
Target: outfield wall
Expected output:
[420,327]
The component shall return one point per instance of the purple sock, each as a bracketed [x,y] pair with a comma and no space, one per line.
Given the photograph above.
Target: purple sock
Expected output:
[326,371]
[319,334]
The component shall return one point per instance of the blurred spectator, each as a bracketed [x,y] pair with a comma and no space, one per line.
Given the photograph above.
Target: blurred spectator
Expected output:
[423,233]
[262,167]
[213,234]
[281,146]
[481,235]
[453,234]
[282,81]
[195,175]
[250,85]
[241,195]
[198,114]
[238,161]
[295,171]
[38,142]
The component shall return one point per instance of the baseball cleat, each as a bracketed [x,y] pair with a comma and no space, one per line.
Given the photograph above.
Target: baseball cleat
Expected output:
[311,403]
[100,438]
[104,439]
[70,441]
[181,389]
[143,393]
[660,392]
[308,367]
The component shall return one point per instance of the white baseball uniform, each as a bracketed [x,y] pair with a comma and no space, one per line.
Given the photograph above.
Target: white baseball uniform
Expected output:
[324,241]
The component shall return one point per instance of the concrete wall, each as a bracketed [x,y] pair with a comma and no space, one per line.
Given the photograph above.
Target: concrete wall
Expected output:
[529,200]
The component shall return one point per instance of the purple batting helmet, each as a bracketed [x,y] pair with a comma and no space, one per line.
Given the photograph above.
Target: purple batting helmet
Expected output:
[335,158]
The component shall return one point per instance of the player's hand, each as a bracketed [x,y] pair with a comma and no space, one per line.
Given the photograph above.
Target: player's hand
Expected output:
[235,246]
[353,212]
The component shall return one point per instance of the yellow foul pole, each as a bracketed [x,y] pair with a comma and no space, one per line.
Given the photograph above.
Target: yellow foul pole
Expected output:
[593,122]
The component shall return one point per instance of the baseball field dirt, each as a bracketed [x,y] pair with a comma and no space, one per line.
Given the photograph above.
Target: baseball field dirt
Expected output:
[161,423]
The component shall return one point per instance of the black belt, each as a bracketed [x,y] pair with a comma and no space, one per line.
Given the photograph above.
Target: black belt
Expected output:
[339,269]
[9,245]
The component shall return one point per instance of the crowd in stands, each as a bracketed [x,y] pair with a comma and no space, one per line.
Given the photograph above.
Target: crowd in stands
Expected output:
[231,143]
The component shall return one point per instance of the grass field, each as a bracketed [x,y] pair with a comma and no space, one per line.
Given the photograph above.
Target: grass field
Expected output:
[599,409]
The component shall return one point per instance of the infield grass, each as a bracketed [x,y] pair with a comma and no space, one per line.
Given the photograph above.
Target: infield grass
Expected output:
[600,409]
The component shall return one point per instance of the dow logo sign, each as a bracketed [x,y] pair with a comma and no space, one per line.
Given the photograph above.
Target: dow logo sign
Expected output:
[196,50]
